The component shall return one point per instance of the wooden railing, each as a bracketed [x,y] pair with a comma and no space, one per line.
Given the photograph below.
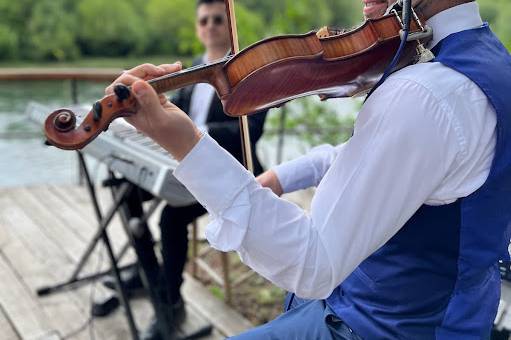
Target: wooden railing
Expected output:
[89,74]
[72,74]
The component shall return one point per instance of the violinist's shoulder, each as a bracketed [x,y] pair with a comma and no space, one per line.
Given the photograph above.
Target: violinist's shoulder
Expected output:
[438,79]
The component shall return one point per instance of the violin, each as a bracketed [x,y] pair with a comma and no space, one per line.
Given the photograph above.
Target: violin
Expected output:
[266,74]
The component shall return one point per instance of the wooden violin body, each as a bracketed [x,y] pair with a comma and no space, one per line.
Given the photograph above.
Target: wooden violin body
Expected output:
[264,75]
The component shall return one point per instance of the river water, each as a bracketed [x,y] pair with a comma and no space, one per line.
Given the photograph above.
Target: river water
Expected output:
[25,160]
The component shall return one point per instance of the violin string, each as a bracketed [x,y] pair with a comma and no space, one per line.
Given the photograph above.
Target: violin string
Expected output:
[189,70]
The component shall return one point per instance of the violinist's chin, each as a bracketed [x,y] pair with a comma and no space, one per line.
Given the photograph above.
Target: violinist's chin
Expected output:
[374,8]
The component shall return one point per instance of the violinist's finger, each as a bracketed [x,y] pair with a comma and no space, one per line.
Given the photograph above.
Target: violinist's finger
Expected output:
[171,68]
[163,99]
[147,71]
[125,78]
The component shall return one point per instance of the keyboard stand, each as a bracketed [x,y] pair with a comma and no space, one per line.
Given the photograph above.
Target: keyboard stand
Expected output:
[140,239]
[101,234]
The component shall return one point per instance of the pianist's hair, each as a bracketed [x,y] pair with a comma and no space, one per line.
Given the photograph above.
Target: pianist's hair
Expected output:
[207,2]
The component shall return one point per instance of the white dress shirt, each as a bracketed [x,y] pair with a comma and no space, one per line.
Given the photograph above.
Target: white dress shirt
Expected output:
[200,102]
[426,136]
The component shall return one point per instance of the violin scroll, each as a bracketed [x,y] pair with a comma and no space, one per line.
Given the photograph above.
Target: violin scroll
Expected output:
[65,120]
[61,126]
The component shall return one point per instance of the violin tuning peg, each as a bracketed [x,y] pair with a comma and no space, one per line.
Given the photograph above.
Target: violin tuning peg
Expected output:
[97,109]
[122,92]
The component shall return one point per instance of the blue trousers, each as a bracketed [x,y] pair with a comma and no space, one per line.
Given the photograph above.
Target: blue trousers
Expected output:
[304,319]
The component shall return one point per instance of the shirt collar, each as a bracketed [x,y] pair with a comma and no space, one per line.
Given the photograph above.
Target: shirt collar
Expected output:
[454,20]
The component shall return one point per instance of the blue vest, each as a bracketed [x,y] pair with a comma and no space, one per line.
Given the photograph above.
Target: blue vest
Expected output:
[438,277]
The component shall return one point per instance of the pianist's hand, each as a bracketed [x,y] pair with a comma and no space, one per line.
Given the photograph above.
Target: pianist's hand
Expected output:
[269,179]
[157,117]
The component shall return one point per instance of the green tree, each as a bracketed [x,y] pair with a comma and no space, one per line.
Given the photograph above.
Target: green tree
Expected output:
[171,27]
[251,27]
[345,13]
[111,28]
[301,16]
[51,31]
[13,16]
[498,14]
[8,43]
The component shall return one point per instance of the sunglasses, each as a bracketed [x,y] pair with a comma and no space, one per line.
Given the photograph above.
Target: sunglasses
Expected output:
[217,20]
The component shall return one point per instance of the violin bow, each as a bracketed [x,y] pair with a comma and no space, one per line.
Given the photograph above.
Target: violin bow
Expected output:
[244,127]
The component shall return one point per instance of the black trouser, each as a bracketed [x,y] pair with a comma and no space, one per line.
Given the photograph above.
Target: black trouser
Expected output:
[174,244]
[174,223]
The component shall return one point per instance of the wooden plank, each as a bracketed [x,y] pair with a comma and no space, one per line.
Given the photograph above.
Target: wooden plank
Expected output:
[53,220]
[6,326]
[37,260]
[78,202]
[193,317]
[18,303]
[80,217]
[69,243]
[42,248]
[77,197]
[79,206]
[225,319]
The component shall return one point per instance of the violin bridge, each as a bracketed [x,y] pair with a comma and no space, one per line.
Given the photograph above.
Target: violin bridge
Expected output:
[323,32]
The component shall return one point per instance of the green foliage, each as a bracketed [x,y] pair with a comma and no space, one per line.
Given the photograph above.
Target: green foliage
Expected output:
[65,29]
[269,295]
[301,16]
[315,122]
[251,27]
[217,292]
[498,14]
[110,28]
[8,42]
[171,26]
[345,13]
[51,32]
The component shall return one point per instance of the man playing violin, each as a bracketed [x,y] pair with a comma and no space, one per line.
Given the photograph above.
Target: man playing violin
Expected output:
[410,216]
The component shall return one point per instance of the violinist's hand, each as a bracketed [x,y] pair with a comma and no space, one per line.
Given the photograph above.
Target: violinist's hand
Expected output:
[270,180]
[157,117]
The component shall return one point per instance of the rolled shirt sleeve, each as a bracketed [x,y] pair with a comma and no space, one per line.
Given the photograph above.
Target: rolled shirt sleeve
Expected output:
[306,171]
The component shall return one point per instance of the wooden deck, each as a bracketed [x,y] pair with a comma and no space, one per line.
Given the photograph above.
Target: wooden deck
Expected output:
[43,232]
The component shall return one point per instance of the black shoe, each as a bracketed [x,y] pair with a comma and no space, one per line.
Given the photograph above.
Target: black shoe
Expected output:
[152,332]
[105,307]
[131,281]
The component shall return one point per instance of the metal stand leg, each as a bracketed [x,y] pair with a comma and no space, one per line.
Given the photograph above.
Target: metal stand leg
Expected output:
[74,280]
[102,234]
[121,194]
[153,276]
